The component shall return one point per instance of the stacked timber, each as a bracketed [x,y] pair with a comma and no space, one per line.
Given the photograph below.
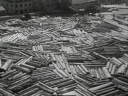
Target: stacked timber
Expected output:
[54,56]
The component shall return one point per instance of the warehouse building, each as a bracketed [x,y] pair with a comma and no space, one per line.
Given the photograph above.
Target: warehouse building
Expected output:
[44,5]
[81,1]
[2,10]
[50,5]
[84,6]
[112,1]
[17,6]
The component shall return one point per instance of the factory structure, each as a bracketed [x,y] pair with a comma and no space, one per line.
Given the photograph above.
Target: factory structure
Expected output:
[16,6]
[12,7]
[106,2]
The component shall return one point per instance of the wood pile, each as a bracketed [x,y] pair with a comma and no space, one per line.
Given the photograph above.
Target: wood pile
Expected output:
[53,56]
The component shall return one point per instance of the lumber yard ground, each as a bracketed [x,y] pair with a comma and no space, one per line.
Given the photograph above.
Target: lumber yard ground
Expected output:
[51,56]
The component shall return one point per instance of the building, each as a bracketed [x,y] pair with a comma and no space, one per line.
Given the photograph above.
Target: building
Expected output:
[112,1]
[63,4]
[85,6]
[81,1]
[2,10]
[17,6]
[44,5]
[50,5]
[37,5]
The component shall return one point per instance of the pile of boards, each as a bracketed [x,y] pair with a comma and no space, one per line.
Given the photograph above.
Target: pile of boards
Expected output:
[53,56]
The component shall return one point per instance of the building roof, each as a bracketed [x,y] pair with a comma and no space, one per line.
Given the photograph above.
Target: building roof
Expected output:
[2,8]
[115,6]
[81,1]
[121,12]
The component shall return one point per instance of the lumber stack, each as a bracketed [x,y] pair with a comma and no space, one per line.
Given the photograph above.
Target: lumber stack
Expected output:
[49,56]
